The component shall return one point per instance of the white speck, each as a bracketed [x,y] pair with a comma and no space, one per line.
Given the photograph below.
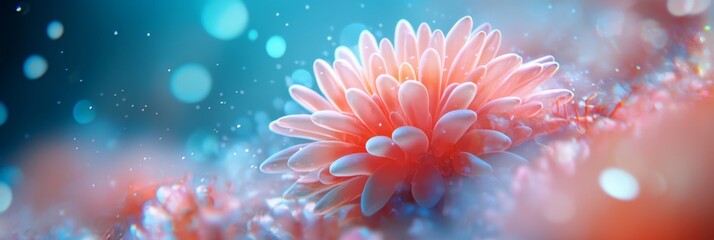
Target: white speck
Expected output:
[116,33]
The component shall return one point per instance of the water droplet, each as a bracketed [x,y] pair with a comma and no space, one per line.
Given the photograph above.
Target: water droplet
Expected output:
[35,66]
[55,30]
[190,83]
[224,19]
[276,46]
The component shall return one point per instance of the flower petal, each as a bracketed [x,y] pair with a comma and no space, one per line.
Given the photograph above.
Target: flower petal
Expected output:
[470,165]
[428,186]
[326,177]
[503,159]
[388,90]
[309,99]
[278,162]
[390,60]
[403,31]
[330,85]
[437,41]
[479,141]
[384,147]
[460,98]
[411,140]
[490,48]
[456,39]
[348,75]
[304,190]
[466,59]
[368,112]
[430,76]
[380,187]
[449,129]
[413,97]
[320,154]
[423,36]
[276,128]
[340,195]
[406,72]
[357,164]
[340,122]
[367,46]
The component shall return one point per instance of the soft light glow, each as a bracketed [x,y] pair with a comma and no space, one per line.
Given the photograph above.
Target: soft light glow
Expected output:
[84,112]
[5,197]
[55,30]
[191,83]
[619,184]
[224,19]
[35,66]
[302,77]
[276,46]
[252,34]
[3,113]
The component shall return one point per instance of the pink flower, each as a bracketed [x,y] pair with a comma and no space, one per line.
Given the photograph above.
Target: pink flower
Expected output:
[408,115]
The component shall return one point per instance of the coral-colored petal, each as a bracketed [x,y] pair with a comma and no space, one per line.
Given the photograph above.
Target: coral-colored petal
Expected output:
[380,187]
[460,98]
[548,70]
[406,72]
[340,122]
[276,128]
[390,60]
[303,122]
[278,162]
[449,129]
[303,190]
[551,95]
[490,48]
[423,36]
[320,154]
[470,165]
[437,41]
[500,105]
[479,141]
[411,140]
[520,133]
[377,67]
[484,27]
[326,177]
[309,99]
[528,109]
[397,119]
[428,186]
[368,112]
[357,164]
[403,31]
[430,75]
[518,78]
[367,46]
[329,84]
[456,38]
[346,54]
[466,59]
[382,146]
[503,159]
[309,177]
[498,71]
[340,195]
[388,90]
[348,75]
[413,97]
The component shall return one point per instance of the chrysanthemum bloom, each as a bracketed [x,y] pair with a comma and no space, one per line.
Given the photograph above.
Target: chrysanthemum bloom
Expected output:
[408,115]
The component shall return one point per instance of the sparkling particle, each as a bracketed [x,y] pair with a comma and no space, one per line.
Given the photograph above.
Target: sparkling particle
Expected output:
[116,33]
[5,197]
[276,46]
[55,30]
[84,112]
[302,77]
[224,19]
[252,34]
[619,184]
[3,113]
[190,83]
[35,66]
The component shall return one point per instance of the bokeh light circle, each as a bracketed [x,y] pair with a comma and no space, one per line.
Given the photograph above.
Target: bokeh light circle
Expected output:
[619,184]
[276,46]
[253,35]
[191,83]
[35,66]
[84,112]
[3,113]
[5,197]
[224,19]
[55,30]
[349,36]
[302,77]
